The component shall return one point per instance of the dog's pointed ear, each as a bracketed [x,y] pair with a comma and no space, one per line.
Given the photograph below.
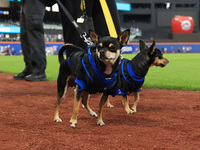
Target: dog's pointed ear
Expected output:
[142,45]
[124,37]
[152,48]
[94,36]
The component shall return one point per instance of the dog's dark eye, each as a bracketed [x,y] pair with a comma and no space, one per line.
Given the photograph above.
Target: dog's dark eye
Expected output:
[112,48]
[160,57]
[99,47]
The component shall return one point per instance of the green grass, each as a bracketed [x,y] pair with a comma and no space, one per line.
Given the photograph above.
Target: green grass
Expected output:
[15,64]
[182,72]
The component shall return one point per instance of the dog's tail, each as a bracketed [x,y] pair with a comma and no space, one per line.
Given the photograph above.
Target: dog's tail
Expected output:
[69,49]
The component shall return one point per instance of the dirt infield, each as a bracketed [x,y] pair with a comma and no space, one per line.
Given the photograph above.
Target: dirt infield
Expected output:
[166,119]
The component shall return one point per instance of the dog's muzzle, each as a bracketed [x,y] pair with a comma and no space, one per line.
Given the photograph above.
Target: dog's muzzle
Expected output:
[165,63]
[103,54]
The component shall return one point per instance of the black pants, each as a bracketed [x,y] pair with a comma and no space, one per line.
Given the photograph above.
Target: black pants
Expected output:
[93,9]
[32,36]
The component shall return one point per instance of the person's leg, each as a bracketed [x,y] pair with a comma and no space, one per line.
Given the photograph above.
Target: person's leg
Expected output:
[25,45]
[25,49]
[37,44]
[35,11]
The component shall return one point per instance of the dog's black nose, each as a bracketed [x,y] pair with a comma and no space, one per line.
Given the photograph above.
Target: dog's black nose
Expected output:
[102,52]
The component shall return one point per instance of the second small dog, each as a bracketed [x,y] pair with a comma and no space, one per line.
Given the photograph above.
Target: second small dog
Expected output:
[132,73]
[90,72]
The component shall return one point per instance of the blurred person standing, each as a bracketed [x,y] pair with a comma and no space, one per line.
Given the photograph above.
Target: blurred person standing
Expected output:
[94,9]
[32,41]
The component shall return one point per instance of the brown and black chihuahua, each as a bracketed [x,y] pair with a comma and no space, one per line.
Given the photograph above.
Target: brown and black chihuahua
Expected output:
[132,73]
[90,72]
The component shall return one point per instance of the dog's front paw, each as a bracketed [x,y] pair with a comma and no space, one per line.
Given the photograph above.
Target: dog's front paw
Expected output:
[58,120]
[109,106]
[100,123]
[73,123]
[134,109]
[93,114]
[130,111]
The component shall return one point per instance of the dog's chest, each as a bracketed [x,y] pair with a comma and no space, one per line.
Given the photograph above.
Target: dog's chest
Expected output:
[92,79]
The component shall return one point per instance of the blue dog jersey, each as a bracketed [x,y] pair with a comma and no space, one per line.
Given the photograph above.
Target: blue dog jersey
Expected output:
[88,76]
[129,81]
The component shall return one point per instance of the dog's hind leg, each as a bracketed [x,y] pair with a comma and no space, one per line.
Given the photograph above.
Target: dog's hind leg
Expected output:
[62,87]
[125,101]
[77,100]
[100,111]
[108,104]
[60,98]
[137,98]
[85,101]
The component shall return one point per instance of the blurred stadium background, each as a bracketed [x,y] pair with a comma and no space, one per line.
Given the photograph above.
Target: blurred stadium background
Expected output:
[148,20]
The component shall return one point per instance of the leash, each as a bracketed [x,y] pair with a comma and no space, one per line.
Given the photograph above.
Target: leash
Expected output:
[82,33]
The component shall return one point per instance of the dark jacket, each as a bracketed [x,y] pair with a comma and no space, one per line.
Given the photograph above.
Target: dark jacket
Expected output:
[88,76]
[129,81]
